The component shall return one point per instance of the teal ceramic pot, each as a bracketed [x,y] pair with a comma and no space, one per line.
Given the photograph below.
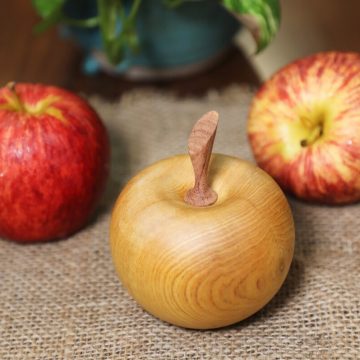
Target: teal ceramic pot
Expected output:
[172,40]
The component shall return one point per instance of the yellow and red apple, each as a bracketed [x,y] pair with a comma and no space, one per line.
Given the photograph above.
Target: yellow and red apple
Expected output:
[304,127]
[53,162]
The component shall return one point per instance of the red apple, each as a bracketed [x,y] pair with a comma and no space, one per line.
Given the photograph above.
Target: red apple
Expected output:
[54,155]
[304,127]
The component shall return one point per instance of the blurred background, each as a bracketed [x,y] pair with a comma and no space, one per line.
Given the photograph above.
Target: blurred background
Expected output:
[307,26]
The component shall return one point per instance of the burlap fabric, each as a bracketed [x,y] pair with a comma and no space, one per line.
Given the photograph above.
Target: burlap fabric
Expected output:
[63,300]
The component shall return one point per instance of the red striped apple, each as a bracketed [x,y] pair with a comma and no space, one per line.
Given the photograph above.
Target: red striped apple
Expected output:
[53,162]
[304,127]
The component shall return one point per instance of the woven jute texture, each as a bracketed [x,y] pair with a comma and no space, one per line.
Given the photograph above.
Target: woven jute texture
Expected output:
[63,300]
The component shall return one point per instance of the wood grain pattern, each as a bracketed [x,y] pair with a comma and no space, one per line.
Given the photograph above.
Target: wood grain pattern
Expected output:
[202,267]
[201,141]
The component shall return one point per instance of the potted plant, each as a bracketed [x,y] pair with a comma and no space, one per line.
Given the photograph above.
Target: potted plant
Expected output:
[157,37]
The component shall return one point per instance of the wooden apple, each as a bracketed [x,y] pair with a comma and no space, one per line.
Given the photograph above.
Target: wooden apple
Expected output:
[54,155]
[304,127]
[207,257]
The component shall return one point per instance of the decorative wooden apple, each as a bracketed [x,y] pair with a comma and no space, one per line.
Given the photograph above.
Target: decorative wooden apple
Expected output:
[206,257]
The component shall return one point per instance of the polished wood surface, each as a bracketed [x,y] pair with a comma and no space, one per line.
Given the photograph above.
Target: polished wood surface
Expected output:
[202,267]
[49,59]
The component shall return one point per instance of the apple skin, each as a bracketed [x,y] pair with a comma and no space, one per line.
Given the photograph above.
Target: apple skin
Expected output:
[202,267]
[316,99]
[54,155]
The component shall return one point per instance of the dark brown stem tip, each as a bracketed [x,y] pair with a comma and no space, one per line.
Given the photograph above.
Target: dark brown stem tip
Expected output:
[11,86]
[201,142]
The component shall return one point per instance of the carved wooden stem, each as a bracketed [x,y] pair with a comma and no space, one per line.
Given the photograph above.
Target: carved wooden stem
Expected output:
[201,141]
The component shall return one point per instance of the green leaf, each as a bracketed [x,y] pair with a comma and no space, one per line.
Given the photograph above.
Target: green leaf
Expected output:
[84,23]
[172,3]
[108,17]
[108,13]
[132,41]
[46,8]
[261,17]
[116,42]
[49,21]
[116,39]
